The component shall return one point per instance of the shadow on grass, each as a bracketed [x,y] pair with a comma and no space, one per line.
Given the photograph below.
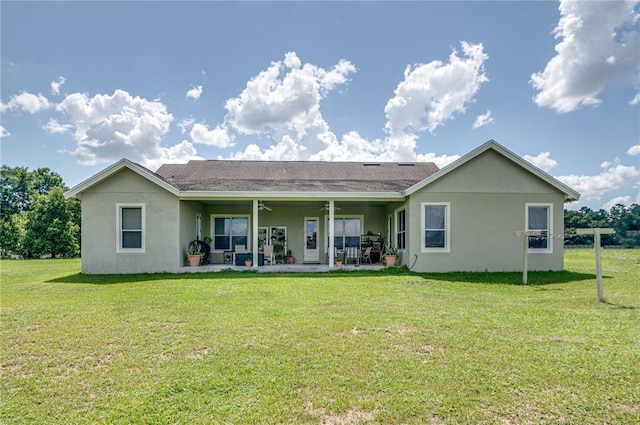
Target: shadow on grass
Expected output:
[511,278]
[622,306]
[503,278]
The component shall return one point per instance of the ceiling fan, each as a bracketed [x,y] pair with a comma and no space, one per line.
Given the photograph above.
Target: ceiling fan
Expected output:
[262,206]
[326,207]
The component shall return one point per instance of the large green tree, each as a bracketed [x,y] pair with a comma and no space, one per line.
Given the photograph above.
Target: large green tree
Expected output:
[35,218]
[50,228]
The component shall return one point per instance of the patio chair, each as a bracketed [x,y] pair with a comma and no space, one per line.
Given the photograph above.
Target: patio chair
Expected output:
[268,254]
[366,256]
[352,254]
[239,249]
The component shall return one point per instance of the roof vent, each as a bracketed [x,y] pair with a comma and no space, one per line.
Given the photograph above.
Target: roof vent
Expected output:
[406,164]
[371,164]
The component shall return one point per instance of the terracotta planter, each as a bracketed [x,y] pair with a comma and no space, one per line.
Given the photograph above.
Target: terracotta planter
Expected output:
[390,260]
[292,260]
[338,264]
[247,263]
[194,260]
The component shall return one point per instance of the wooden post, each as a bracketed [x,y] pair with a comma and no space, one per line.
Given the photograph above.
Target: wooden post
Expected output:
[597,241]
[525,236]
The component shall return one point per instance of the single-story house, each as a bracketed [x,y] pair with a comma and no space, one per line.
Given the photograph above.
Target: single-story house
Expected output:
[458,218]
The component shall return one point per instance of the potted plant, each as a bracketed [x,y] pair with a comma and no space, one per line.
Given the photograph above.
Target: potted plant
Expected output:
[391,256]
[278,249]
[194,254]
[338,262]
[290,257]
[247,262]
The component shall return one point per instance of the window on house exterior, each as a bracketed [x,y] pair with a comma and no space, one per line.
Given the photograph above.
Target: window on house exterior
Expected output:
[538,217]
[401,229]
[436,227]
[131,225]
[230,231]
[347,231]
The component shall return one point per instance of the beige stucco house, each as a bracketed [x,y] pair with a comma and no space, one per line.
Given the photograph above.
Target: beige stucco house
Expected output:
[458,218]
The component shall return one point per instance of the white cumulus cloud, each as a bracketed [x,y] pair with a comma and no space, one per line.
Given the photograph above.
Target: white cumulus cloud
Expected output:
[218,137]
[599,44]
[55,85]
[542,160]
[4,132]
[624,200]
[634,150]
[285,97]
[635,100]
[439,160]
[282,104]
[110,127]
[613,177]
[432,93]
[194,92]
[482,120]
[28,102]
[181,153]
[53,126]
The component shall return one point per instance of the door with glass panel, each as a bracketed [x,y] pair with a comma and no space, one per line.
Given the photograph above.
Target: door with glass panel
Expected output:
[311,253]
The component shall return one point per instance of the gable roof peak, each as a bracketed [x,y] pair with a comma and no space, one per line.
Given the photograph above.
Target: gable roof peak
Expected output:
[570,194]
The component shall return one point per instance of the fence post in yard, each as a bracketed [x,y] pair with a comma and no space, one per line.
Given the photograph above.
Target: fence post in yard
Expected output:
[596,232]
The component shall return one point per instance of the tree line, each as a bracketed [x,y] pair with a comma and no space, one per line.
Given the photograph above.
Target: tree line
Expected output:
[36,220]
[625,220]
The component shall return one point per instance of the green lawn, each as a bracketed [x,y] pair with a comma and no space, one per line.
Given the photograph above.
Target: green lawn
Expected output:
[336,348]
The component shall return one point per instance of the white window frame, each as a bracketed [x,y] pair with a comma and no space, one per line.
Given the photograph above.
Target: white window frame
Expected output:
[199,226]
[119,248]
[447,227]
[549,206]
[397,228]
[341,217]
[389,230]
[213,230]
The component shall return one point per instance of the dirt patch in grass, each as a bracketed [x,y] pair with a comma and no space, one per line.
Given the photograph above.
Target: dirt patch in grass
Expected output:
[351,416]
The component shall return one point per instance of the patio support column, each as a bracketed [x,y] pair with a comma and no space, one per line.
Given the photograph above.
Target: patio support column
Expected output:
[330,249]
[254,233]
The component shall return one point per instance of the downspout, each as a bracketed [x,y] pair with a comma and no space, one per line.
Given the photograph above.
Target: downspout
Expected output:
[254,234]
[331,248]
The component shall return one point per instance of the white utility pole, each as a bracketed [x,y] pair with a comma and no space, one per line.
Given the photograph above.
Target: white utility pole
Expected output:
[596,241]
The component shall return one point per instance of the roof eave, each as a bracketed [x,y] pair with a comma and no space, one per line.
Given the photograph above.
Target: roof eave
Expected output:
[284,195]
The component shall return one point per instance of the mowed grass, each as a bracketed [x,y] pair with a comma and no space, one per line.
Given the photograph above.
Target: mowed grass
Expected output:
[337,348]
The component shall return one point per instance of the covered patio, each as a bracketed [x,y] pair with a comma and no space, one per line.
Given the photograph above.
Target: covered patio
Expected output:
[280,268]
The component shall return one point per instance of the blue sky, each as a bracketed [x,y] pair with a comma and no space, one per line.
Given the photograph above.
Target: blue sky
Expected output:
[84,84]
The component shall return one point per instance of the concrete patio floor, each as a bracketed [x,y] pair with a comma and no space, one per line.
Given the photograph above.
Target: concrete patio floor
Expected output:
[280,268]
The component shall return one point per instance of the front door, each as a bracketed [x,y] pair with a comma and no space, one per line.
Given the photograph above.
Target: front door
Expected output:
[311,253]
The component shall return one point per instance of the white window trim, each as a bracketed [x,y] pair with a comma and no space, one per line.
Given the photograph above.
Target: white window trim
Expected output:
[336,217]
[447,227]
[213,229]
[119,248]
[549,248]
[397,227]
[199,226]
[389,229]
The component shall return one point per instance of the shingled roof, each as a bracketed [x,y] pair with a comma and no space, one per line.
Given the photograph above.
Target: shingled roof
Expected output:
[286,176]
